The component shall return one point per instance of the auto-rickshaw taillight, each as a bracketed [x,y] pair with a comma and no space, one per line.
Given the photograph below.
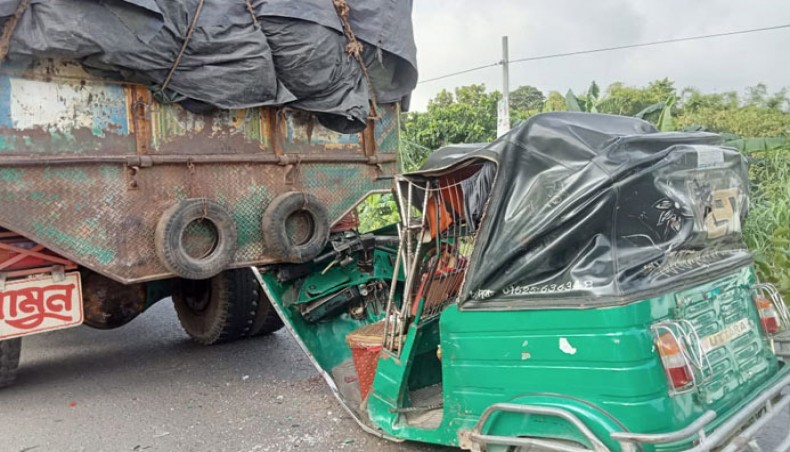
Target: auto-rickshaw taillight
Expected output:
[769,317]
[679,373]
[774,315]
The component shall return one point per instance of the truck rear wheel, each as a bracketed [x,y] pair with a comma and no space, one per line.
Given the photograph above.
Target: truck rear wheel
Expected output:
[267,321]
[225,308]
[9,360]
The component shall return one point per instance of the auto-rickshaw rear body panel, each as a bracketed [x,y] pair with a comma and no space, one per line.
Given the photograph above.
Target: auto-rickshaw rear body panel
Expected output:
[580,284]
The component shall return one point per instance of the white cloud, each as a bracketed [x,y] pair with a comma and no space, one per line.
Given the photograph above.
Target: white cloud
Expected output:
[460,34]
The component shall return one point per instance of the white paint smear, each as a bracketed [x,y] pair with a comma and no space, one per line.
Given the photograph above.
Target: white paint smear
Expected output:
[566,347]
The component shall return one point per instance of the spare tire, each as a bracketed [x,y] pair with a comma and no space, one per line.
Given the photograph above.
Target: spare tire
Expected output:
[295,227]
[196,239]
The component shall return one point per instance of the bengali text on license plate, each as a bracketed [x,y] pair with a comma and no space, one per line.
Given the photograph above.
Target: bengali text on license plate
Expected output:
[40,304]
[724,336]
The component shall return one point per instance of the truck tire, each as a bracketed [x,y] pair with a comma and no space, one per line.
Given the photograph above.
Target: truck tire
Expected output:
[295,227]
[267,321]
[9,360]
[207,260]
[218,310]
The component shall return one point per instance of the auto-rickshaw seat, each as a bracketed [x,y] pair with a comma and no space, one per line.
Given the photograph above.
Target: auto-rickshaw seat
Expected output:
[368,335]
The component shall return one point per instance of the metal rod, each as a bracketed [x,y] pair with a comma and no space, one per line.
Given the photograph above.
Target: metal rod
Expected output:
[415,257]
[477,435]
[734,423]
[749,433]
[143,161]
[660,438]
[391,298]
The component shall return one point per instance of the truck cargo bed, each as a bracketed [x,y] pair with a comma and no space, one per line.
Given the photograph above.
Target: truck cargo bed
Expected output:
[89,166]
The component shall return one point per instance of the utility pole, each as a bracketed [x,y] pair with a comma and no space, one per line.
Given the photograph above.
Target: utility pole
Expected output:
[503,113]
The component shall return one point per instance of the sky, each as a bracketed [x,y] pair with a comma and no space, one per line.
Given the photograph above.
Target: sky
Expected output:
[454,35]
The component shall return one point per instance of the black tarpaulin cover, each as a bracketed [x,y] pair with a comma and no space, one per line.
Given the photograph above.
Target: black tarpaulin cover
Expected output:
[591,210]
[293,53]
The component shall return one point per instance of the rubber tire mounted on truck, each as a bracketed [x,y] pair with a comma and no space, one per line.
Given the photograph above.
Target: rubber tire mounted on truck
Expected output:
[170,238]
[296,227]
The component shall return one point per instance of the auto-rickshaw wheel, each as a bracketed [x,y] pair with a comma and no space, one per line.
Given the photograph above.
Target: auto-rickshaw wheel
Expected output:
[10,351]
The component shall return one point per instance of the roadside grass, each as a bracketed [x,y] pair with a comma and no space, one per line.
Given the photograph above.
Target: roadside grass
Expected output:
[767,229]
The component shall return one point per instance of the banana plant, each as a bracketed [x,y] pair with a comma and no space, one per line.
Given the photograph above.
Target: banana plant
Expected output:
[591,102]
[666,121]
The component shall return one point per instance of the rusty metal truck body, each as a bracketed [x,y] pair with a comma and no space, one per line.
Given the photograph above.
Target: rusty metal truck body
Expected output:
[90,166]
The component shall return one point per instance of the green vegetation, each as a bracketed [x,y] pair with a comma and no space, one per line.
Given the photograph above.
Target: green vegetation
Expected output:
[756,122]
[376,212]
[768,228]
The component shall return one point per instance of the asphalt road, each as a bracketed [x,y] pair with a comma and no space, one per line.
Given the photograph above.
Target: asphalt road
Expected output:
[146,387]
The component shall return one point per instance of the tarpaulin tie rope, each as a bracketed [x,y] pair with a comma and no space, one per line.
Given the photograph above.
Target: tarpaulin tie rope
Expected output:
[10,27]
[184,46]
[252,13]
[355,48]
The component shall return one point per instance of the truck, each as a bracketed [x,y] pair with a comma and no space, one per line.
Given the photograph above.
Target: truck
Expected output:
[119,192]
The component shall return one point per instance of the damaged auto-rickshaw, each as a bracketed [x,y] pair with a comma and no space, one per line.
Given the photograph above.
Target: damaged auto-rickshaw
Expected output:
[580,284]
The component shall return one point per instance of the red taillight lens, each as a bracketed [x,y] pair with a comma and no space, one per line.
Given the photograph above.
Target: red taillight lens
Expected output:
[679,377]
[677,368]
[768,315]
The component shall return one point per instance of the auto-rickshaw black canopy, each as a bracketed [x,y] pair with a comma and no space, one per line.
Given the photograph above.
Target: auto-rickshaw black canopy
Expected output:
[591,210]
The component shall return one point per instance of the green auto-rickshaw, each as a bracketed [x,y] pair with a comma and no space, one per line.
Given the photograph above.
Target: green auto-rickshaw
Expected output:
[580,284]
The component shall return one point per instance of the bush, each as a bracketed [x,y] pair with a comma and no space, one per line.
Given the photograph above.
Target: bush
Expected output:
[767,229]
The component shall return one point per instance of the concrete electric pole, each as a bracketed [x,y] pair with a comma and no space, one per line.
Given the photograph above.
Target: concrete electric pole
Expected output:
[503,114]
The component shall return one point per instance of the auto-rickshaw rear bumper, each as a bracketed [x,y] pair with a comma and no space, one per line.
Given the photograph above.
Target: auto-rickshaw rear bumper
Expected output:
[735,434]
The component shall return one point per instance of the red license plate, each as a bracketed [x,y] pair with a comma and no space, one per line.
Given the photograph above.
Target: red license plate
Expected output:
[39,304]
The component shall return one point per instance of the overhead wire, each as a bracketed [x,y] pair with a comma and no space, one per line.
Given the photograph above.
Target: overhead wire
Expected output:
[461,72]
[609,49]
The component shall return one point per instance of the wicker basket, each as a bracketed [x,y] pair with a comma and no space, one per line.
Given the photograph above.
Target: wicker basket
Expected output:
[366,344]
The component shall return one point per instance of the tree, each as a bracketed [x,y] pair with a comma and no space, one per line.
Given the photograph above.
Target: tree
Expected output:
[758,96]
[442,100]
[758,114]
[526,101]
[632,100]
[693,100]
[468,115]
[555,102]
